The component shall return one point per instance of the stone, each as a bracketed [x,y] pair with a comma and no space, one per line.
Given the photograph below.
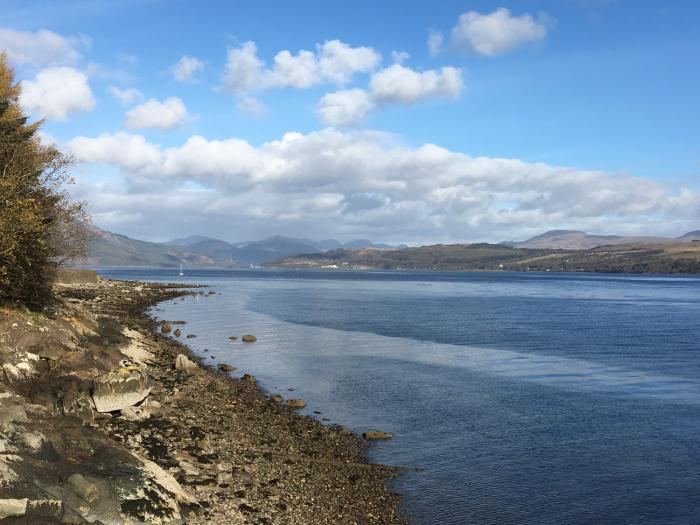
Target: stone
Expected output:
[191,336]
[249,378]
[84,488]
[182,362]
[177,332]
[375,434]
[249,338]
[13,507]
[139,413]
[233,337]
[276,398]
[223,367]
[120,388]
[296,403]
[165,327]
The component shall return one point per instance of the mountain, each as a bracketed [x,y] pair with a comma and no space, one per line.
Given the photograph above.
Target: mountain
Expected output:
[690,236]
[660,258]
[578,240]
[189,241]
[112,249]
[364,243]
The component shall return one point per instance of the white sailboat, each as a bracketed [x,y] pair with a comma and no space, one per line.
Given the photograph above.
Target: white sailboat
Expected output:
[181,272]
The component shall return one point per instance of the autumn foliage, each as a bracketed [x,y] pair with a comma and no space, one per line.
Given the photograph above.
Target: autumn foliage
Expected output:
[40,227]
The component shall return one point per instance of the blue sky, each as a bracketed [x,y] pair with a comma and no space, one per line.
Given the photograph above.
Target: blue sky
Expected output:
[551,114]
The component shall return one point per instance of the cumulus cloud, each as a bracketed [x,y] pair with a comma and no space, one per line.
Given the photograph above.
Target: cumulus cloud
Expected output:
[403,85]
[40,48]
[168,114]
[126,96]
[186,68]
[396,84]
[344,108]
[56,92]
[368,184]
[333,62]
[435,41]
[496,33]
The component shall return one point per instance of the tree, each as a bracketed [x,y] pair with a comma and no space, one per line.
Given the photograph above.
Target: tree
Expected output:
[40,226]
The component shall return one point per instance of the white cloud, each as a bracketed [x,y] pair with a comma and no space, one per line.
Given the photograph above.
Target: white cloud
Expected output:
[495,33]
[344,108]
[125,96]
[186,68]
[395,84]
[40,48]
[369,184]
[338,62]
[243,68]
[402,85]
[154,114]
[435,42]
[333,62]
[56,92]
[250,106]
[399,57]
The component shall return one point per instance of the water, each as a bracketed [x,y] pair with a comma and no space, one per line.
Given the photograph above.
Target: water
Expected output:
[524,398]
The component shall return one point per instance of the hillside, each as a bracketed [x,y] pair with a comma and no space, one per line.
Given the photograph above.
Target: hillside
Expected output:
[111,249]
[632,258]
[578,240]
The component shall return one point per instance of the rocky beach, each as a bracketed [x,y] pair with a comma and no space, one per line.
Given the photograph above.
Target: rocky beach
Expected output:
[106,419]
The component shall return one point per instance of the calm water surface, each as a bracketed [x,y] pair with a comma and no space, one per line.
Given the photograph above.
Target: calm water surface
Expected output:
[523,398]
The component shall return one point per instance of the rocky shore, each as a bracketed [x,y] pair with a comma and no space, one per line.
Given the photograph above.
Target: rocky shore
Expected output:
[99,425]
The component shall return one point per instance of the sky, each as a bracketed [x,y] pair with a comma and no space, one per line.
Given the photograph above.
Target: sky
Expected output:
[397,121]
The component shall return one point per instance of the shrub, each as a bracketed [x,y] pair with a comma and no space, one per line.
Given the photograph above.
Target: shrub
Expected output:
[40,227]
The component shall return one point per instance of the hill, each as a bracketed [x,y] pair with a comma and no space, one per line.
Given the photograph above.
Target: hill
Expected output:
[112,249]
[578,240]
[660,258]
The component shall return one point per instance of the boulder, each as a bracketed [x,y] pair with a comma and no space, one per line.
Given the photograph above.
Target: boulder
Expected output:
[13,507]
[249,378]
[177,332]
[165,327]
[233,337]
[296,403]
[374,434]
[276,398]
[120,388]
[182,362]
[191,336]
[223,367]
[249,338]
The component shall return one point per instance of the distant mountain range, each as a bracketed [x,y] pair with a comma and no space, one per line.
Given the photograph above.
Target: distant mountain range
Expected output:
[578,240]
[111,249]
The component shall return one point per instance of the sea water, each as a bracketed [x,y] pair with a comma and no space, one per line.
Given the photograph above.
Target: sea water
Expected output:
[514,398]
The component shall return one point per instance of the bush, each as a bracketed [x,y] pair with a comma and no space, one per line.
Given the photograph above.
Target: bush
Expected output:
[40,227]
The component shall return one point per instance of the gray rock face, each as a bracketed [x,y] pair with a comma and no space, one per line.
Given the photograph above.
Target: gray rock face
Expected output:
[182,362]
[120,388]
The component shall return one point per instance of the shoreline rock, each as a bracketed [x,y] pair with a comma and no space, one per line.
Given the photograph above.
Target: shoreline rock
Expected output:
[199,448]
